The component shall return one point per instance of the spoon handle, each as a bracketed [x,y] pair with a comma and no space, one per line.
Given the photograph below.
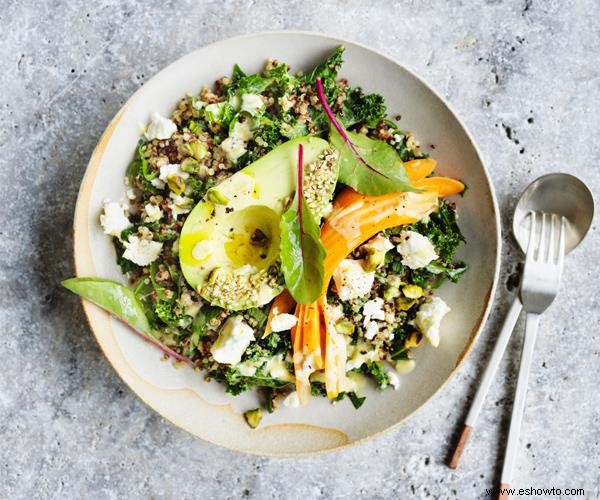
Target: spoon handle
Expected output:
[486,381]
[516,418]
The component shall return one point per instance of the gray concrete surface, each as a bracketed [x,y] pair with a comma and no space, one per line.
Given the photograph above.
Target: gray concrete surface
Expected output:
[525,77]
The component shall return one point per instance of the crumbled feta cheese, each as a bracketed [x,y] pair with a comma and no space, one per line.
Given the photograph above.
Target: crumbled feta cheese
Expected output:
[234,338]
[114,219]
[252,103]
[153,213]
[335,312]
[160,127]
[428,319]
[380,243]
[277,368]
[373,309]
[235,145]
[141,251]
[292,400]
[282,322]
[180,204]
[416,250]
[351,280]
[371,330]
[157,183]
[132,193]
[171,169]
[394,381]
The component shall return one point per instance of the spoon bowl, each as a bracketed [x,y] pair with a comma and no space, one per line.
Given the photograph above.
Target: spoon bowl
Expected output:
[562,194]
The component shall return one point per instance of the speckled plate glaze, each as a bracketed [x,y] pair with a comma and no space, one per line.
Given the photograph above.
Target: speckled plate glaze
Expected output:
[203,408]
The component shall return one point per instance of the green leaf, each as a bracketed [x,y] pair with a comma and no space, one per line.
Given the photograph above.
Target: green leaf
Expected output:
[302,253]
[115,298]
[122,303]
[382,170]
[366,108]
[356,400]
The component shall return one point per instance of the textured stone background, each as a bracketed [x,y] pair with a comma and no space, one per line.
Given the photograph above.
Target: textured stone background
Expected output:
[525,77]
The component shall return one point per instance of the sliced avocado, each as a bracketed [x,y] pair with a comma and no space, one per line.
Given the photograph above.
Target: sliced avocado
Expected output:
[229,245]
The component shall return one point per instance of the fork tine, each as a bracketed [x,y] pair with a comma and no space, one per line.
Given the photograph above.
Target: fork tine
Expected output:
[551,243]
[541,250]
[531,242]
[561,240]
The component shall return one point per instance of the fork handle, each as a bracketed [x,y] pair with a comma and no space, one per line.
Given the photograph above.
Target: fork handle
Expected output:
[488,377]
[510,453]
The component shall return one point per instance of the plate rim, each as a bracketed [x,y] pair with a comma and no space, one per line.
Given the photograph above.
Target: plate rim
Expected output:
[80,224]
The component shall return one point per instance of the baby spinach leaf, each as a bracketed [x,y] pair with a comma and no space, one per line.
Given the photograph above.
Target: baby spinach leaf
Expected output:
[114,297]
[387,175]
[121,302]
[302,252]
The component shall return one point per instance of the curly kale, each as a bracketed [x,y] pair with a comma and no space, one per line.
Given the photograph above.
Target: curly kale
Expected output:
[368,109]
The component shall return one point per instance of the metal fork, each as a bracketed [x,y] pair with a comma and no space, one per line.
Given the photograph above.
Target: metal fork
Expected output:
[541,279]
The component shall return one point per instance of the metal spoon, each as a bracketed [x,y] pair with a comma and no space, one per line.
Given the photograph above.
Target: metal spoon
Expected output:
[562,194]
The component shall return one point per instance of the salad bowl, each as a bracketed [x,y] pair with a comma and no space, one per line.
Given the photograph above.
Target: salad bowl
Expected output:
[180,393]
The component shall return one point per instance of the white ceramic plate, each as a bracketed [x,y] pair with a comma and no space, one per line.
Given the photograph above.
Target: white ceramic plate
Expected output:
[203,408]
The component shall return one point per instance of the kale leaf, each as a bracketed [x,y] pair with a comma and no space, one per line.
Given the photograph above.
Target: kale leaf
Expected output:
[368,109]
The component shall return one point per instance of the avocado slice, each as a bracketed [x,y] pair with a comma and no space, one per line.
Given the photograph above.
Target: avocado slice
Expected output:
[229,245]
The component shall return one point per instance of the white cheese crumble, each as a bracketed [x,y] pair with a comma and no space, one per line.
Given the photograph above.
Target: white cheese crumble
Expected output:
[416,250]
[234,338]
[252,103]
[292,400]
[277,368]
[171,169]
[141,251]
[371,330]
[394,381]
[373,309]
[153,213]
[180,204]
[351,280]
[428,319]
[157,183]
[160,127]
[235,145]
[114,219]
[379,243]
[282,322]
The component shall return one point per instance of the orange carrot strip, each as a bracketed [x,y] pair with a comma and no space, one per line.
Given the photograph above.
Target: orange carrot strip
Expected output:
[418,169]
[443,186]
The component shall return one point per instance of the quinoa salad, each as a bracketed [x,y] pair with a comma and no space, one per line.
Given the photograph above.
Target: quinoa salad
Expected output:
[280,233]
